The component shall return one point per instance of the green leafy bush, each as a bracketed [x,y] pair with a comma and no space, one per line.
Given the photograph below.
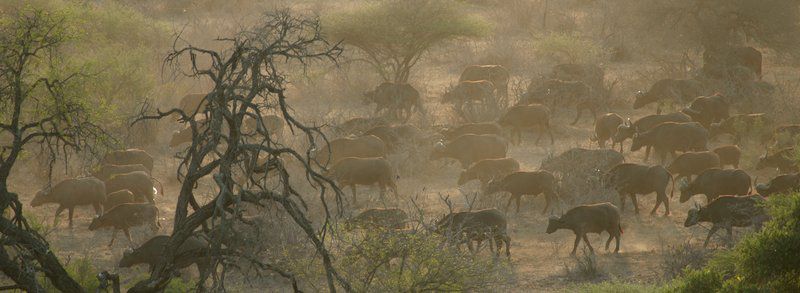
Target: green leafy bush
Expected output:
[568,48]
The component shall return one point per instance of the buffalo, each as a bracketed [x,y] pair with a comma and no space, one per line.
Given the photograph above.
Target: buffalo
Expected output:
[497,74]
[526,183]
[715,182]
[633,179]
[129,157]
[708,109]
[681,91]
[628,130]
[400,99]
[366,146]
[472,128]
[739,125]
[605,127]
[670,137]
[728,212]
[785,160]
[693,163]
[594,218]
[527,116]
[126,216]
[728,155]
[70,193]
[488,169]
[471,148]
[781,184]
[476,226]
[364,171]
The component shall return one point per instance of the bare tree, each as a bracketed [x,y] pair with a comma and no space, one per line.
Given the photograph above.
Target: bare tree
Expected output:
[37,108]
[249,79]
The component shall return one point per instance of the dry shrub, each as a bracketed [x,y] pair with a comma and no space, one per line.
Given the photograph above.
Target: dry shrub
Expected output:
[585,267]
[677,258]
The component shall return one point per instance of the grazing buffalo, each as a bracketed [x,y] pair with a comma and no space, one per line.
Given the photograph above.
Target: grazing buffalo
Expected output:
[488,169]
[526,183]
[781,184]
[151,253]
[715,182]
[605,127]
[527,116]
[497,74]
[126,216]
[628,130]
[728,155]
[670,137]
[708,109]
[470,148]
[71,193]
[693,163]
[785,160]
[632,179]
[728,212]
[399,99]
[594,218]
[680,91]
[476,226]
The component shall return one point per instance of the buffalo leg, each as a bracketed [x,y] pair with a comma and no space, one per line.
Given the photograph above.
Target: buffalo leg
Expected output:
[98,209]
[608,242]
[646,153]
[519,198]
[617,236]
[635,203]
[579,111]
[58,212]
[113,236]
[508,204]
[353,187]
[547,198]
[729,228]
[577,241]
[622,202]
[128,234]
[71,212]
[710,233]
[507,240]
[586,240]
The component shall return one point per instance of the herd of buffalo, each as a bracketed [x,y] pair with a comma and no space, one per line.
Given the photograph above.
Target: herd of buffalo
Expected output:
[122,189]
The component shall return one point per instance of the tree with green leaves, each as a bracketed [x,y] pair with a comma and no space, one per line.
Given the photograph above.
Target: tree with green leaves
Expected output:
[393,36]
[39,107]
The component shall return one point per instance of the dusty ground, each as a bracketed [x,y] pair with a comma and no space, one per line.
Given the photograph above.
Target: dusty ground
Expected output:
[539,261]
